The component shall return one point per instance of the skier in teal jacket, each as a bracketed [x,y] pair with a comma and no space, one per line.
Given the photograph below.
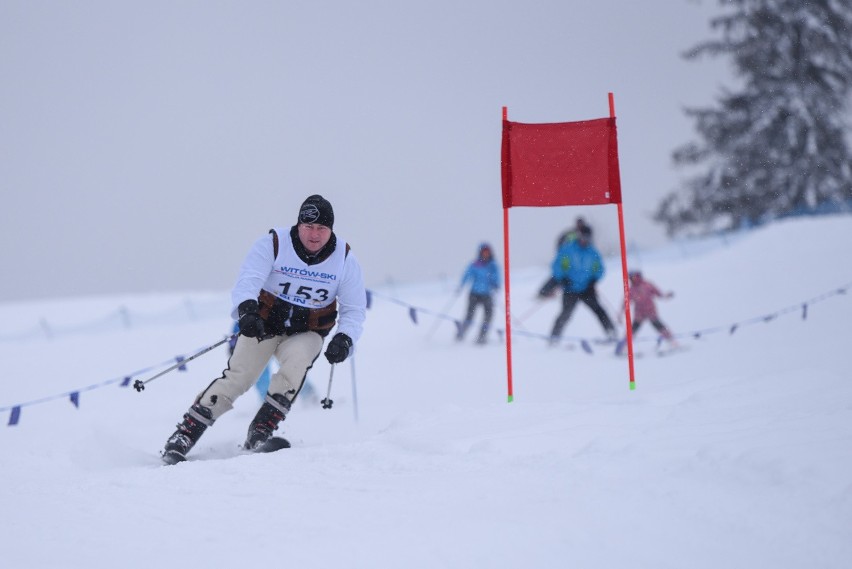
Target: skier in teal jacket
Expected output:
[484,279]
[577,268]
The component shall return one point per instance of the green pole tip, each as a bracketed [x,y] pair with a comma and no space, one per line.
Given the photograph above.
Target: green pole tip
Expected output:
[511,398]
[632,386]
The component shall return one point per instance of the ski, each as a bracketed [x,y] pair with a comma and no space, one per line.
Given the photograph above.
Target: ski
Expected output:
[273,444]
[171,457]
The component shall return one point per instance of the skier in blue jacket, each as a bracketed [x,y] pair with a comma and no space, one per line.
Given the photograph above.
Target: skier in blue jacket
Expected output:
[484,279]
[577,268]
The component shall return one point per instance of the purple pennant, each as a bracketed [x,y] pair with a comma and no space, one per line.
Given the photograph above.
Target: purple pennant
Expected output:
[369,299]
[412,313]
[586,346]
[805,311]
[15,415]
[75,399]
[125,382]
[733,328]
[179,359]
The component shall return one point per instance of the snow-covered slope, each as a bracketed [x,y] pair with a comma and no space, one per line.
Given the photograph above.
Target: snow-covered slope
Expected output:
[732,453]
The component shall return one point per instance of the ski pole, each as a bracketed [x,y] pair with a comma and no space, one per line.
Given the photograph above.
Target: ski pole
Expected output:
[326,403]
[446,309]
[532,310]
[139,385]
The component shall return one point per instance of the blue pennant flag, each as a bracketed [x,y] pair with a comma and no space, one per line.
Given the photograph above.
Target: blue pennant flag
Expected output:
[369,299]
[15,415]
[733,328]
[586,346]
[75,399]
[179,359]
[805,311]
[769,318]
[412,313]
[125,382]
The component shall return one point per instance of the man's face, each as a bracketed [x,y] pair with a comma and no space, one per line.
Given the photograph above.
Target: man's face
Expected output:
[314,236]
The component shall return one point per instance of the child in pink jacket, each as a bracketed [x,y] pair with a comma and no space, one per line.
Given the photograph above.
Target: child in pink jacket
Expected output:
[642,294]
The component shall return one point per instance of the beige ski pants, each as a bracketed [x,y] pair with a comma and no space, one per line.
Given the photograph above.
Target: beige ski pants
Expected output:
[296,355]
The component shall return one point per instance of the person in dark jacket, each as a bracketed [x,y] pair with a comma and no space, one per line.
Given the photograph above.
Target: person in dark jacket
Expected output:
[572,234]
[484,278]
[577,268]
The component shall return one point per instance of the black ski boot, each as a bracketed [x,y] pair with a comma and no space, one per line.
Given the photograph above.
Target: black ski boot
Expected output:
[272,412]
[195,422]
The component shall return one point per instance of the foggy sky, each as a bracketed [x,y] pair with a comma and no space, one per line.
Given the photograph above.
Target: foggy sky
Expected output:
[145,145]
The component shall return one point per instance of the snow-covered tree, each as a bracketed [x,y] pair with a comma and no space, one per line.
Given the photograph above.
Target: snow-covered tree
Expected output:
[778,145]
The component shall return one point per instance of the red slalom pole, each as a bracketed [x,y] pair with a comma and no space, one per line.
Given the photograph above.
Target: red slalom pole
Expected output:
[511,395]
[628,320]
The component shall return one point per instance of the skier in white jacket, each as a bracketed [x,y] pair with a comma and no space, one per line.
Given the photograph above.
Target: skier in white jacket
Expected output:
[293,286]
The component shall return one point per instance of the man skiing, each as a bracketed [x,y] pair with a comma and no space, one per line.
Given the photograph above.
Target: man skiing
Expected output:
[577,268]
[292,287]
[567,236]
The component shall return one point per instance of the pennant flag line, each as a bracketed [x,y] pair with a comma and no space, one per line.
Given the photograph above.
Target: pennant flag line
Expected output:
[74,395]
[413,311]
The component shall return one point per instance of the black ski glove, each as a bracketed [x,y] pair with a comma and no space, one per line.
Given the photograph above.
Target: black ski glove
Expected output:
[251,324]
[338,348]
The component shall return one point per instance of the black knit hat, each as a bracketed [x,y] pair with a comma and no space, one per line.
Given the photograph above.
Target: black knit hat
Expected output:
[316,209]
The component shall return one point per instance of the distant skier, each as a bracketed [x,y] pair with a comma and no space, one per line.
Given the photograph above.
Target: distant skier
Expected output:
[572,234]
[642,294]
[568,236]
[484,278]
[578,266]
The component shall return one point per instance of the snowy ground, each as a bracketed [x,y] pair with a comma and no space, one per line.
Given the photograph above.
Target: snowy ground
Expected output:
[733,453]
